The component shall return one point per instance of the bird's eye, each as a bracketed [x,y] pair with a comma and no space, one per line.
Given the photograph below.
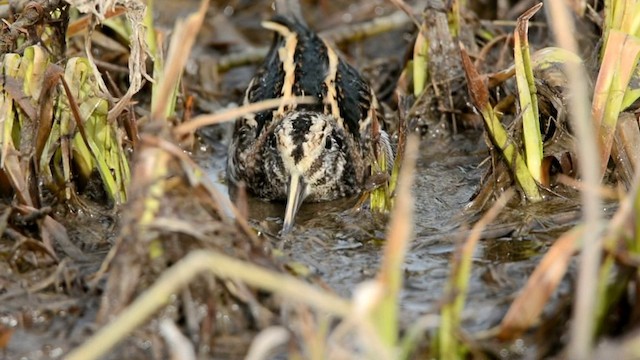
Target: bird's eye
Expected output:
[338,141]
[328,143]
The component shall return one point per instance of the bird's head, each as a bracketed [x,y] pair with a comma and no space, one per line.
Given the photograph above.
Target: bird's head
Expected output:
[318,159]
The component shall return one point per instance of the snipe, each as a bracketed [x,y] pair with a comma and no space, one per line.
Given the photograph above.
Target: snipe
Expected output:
[312,152]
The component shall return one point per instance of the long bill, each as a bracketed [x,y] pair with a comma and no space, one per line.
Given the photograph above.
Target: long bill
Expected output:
[296,192]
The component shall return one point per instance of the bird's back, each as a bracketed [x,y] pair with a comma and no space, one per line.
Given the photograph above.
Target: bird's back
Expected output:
[300,63]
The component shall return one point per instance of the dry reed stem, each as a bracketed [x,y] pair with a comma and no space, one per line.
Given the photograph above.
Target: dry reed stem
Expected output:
[232,114]
[266,341]
[606,192]
[179,345]
[177,56]
[183,272]
[188,162]
[582,326]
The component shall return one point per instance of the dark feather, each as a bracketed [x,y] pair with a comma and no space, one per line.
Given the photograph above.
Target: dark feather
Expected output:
[311,70]
[321,142]
[354,97]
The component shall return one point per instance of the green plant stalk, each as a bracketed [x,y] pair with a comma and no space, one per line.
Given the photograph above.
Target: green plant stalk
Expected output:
[511,155]
[415,332]
[119,25]
[29,59]
[635,26]
[613,282]
[454,17]
[380,198]
[399,158]
[67,131]
[81,154]
[11,65]
[121,162]
[385,314]
[392,183]
[611,287]
[100,134]
[608,24]
[528,100]
[152,43]
[45,170]
[391,274]
[617,13]
[448,346]
[6,112]
[395,172]
[630,18]
[36,64]
[458,284]
[602,300]
[154,52]
[480,96]
[157,161]
[420,63]
[622,15]
[632,94]
[76,76]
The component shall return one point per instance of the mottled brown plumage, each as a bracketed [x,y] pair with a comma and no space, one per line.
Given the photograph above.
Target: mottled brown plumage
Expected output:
[312,152]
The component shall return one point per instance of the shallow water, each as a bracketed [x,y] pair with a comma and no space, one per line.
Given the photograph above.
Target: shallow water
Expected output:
[344,248]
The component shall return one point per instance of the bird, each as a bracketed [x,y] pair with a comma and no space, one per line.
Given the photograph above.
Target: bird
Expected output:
[305,152]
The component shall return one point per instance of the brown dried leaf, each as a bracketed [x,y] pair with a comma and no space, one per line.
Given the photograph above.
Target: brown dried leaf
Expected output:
[5,335]
[17,176]
[47,100]
[522,27]
[79,25]
[14,88]
[58,235]
[475,83]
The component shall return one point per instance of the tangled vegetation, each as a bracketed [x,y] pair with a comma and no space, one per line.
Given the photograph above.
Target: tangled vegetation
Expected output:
[114,233]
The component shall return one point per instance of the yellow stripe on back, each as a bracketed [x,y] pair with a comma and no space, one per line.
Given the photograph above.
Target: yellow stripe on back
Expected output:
[286,54]
[331,99]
